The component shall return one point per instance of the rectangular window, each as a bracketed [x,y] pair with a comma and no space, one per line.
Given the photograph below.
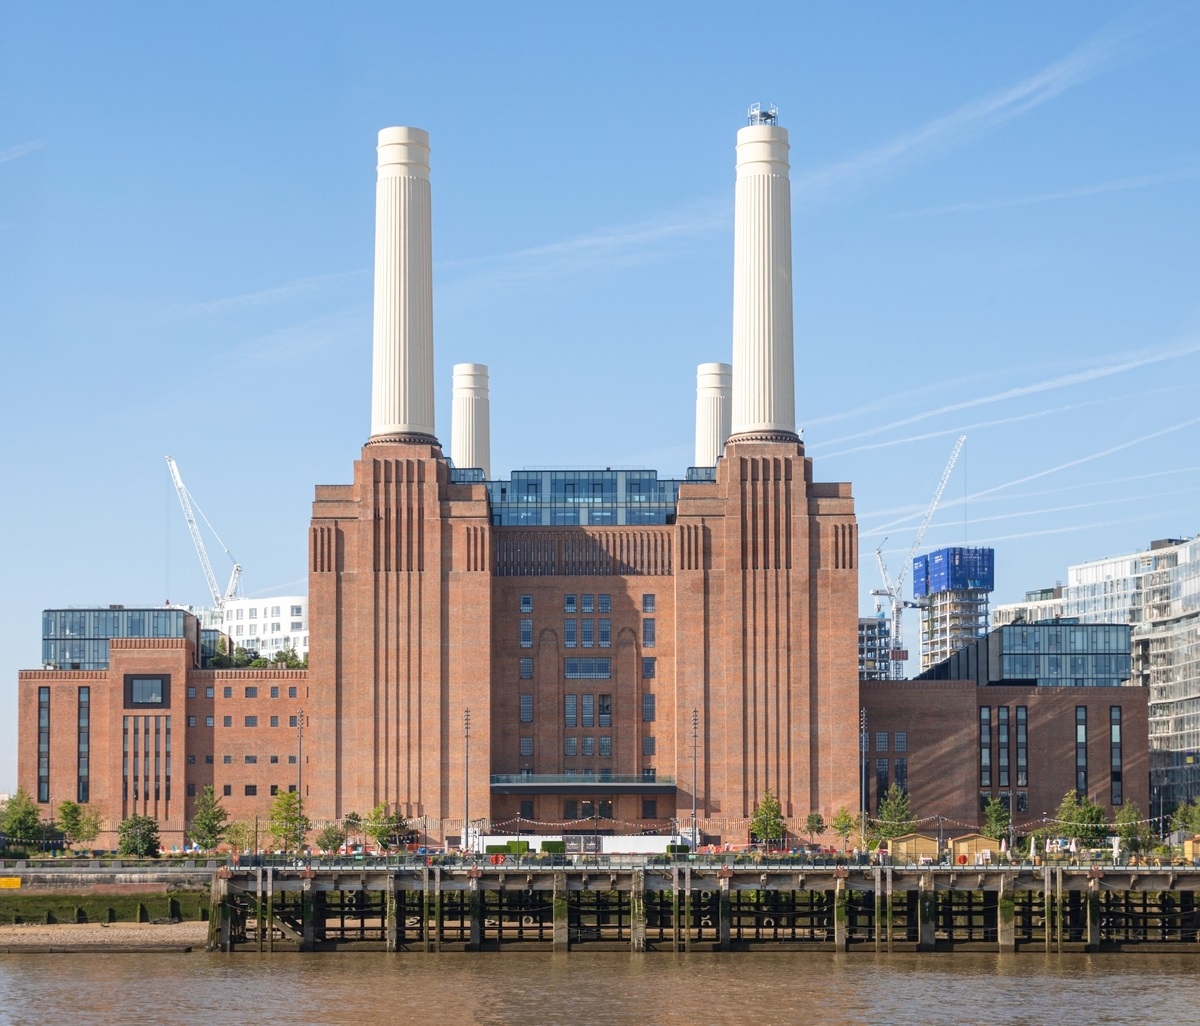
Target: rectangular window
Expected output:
[526,669]
[227,790]
[274,759]
[274,790]
[605,746]
[526,603]
[648,668]
[208,760]
[1081,766]
[274,721]
[1022,746]
[146,691]
[251,760]
[881,741]
[526,808]
[191,760]
[191,721]
[227,721]
[570,808]
[588,633]
[587,604]
[587,710]
[605,711]
[647,603]
[43,779]
[191,790]
[228,692]
[208,721]
[527,634]
[648,708]
[526,746]
[274,692]
[570,710]
[902,775]
[881,781]
[83,745]
[570,634]
[649,808]
[291,760]
[227,760]
[297,611]
[900,741]
[604,630]
[588,746]
[570,746]
[648,632]
[527,708]
[251,692]
[1116,777]
[291,692]
[251,721]
[569,604]
[251,790]
[649,773]
[191,692]
[208,692]
[649,745]
[604,603]
[291,721]
[588,668]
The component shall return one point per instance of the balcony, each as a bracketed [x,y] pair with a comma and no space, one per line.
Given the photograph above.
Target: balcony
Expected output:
[561,783]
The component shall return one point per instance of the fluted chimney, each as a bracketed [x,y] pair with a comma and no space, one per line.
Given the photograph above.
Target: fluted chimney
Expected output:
[713,390]
[470,418]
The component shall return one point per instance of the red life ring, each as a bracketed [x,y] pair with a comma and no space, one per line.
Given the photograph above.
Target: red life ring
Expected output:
[497,860]
[962,860]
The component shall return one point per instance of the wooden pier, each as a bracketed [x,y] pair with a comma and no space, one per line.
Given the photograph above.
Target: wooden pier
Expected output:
[698,906]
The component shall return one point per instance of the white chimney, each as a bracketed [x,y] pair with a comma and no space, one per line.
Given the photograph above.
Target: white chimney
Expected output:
[402,367]
[470,418]
[713,391]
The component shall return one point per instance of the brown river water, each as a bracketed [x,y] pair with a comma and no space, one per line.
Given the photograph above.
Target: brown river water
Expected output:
[598,989]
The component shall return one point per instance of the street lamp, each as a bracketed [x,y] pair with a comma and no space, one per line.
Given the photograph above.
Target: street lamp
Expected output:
[695,744]
[466,776]
[299,780]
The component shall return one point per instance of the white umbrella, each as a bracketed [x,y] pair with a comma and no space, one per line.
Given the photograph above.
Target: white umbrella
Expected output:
[1032,847]
[1047,844]
[1116,843]
[1074,846]
[1003,844]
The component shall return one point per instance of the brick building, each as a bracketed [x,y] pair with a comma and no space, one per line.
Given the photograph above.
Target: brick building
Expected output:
[567,657]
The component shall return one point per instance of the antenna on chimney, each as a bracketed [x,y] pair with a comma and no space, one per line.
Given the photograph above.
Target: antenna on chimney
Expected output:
[757,116]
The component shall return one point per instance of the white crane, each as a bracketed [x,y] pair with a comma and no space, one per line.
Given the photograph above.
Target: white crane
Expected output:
[185,500]
[892,589]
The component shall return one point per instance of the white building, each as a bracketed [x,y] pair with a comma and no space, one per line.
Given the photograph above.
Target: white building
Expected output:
[1042,604]
[263,625]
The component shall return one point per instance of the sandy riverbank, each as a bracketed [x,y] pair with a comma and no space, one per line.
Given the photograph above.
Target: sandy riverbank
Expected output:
[29,937]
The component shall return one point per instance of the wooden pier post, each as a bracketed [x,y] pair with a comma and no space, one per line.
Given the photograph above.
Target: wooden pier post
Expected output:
[637,911]
[926,913]
[1006,926]
[562,941]
[390,913]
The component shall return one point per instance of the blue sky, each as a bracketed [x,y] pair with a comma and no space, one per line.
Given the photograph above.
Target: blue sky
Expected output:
[996,227]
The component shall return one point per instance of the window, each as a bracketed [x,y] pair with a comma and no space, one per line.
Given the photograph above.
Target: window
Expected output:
[902,775]
[570,746]
[254,614]
[291,692]
[648,668]
[570,633]
[526,603]
[604,630]
[297,611]
[227,760]
[291,721]
[649,808]
[526,746]
[605,711]
[208,760]
[208,692]
[588,633]
[191,790]
[228,692]
[588,668]
[527,634]
[251,790]
[274,692]
[649,745]
[251,692]
[1022,747]
[191,692]
[605,746]
[570,808]
[648,632]
[569,604]
[251,721]
[251,760]
[647,708]
[191,721]
[881,741]
[589,746]
[881,781]
[208,721]
[291,760]
[191,760]
[985,746]
[274,790]
[43,784]
[1116,779]
[274,721]
[647,603]
[900,741]
[146,691]
[227,790]
[604,603]
[227,721]
[1081,766]
[526,669]
[527,708]
[588,711]
[526,808]
[274,759]
[587,604]
[649,773]
[570,710]
[297,625]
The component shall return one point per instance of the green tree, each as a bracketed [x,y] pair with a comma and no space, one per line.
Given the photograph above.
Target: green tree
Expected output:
[353,824]
[1081,818]
[383,827]
[895,818]
[1137,834]
[240,835]
[22,817]
[210,821]
[138,836]
[766,823]
[288,824]
[814,824]
[1186,818]
[331,837]
[997,820]
[79,823]
[287,658]
[843,824]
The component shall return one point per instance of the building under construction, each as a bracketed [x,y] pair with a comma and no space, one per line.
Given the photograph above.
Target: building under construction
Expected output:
[952,587]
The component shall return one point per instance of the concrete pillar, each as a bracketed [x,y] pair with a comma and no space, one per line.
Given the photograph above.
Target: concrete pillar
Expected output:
[430,912]
[1093,915]
[879,909]
[764,404]
[724,914]
[402,360]
[470,418]
[308,915]
[475,907]
[926,913]
[562,939]
[270,909]
[258,906]
[1006,925]
[841,925]
[714,394]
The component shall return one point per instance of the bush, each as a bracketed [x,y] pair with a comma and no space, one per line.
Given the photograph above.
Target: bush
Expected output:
[554,847]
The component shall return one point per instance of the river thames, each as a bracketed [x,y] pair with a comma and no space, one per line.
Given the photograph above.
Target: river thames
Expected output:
[598,989]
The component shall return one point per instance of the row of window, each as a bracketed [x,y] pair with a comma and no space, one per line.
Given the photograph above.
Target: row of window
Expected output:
[250,691]
[585,630]
[899,741]
[1003,767]
[587,604]
[252,613]
[251,790]
[247,721]
[250,760]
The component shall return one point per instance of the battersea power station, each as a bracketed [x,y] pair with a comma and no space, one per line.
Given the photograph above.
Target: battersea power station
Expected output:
[555,652]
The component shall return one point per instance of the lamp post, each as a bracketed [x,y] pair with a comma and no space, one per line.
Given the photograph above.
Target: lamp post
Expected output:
[299,780]
[865,763]
[695,747]
[466,776]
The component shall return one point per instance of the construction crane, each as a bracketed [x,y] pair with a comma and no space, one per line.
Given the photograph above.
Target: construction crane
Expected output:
[185,500]
[892,589]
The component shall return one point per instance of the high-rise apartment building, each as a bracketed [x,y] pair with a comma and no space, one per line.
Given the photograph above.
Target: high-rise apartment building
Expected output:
[952,586]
